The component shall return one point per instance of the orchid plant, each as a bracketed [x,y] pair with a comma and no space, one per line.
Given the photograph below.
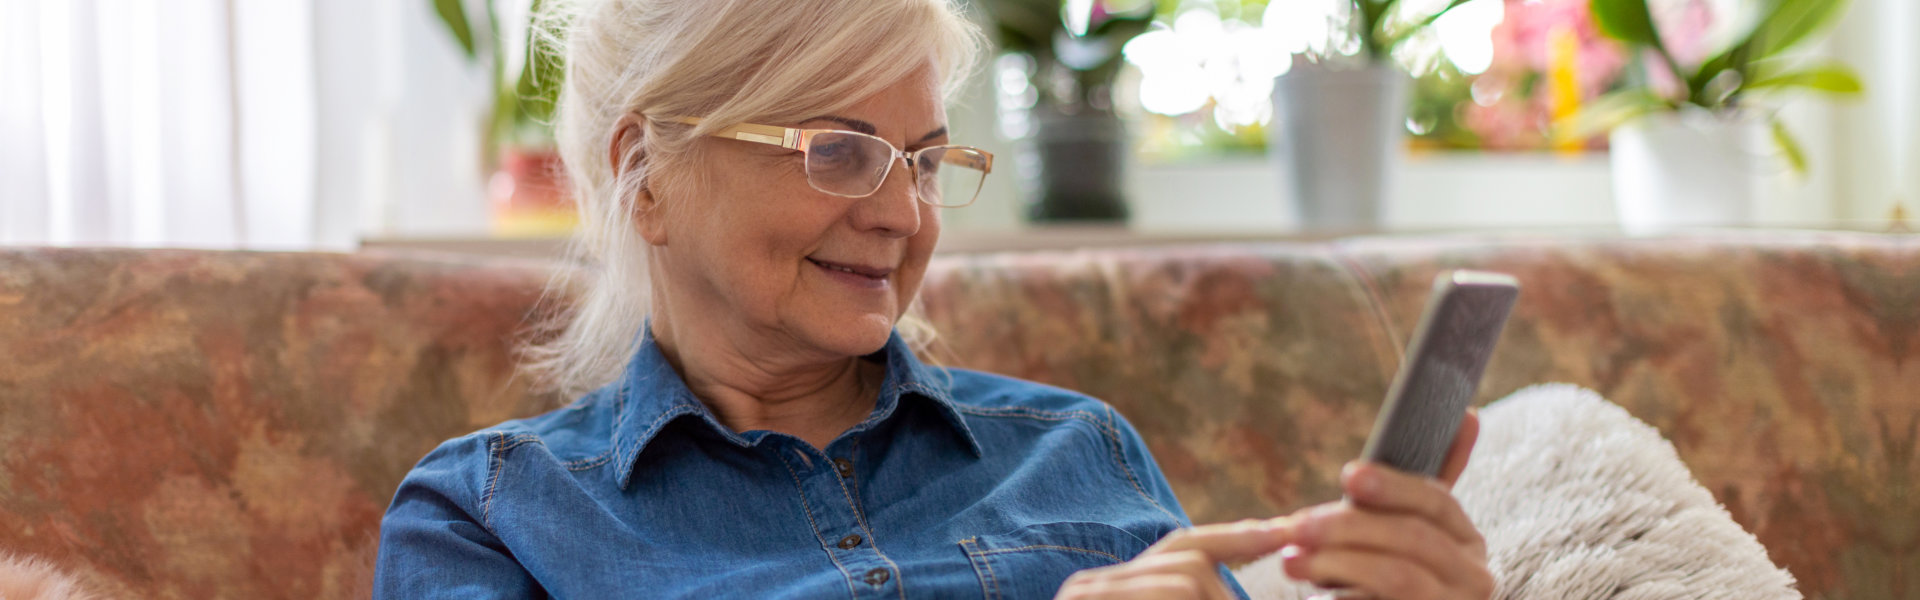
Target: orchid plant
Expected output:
[1682,75]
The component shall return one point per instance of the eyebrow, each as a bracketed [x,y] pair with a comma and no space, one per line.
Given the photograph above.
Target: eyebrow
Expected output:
[869,129]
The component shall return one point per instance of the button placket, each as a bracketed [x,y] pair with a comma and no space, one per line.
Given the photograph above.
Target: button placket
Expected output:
[829,495]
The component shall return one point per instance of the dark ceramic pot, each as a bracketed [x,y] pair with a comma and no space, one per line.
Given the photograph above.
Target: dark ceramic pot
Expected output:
[1082,163]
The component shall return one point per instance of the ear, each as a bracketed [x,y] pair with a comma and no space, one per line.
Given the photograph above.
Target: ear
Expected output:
[628,133]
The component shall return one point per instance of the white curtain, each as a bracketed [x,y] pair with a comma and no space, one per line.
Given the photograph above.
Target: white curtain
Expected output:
[162,123]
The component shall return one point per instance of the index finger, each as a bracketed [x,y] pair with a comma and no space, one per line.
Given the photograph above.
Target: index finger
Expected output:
[1238,541]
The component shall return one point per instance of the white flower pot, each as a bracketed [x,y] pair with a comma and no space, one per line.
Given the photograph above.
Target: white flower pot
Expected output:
[1674,171]
[1336,141]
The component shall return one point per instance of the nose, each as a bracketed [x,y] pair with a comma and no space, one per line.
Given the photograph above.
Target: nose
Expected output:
[894,209]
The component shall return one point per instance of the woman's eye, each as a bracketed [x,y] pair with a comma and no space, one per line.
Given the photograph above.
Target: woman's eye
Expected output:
[831,151]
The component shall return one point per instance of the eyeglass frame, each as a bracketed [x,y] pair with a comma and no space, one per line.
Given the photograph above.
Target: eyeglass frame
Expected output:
[798,139]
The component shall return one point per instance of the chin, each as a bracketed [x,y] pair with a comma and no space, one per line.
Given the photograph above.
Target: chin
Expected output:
[857,336]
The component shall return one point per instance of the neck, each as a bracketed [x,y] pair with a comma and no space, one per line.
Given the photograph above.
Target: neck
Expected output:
[753,384]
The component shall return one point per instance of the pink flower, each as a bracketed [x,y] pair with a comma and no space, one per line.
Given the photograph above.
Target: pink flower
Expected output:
[1683,30]
[1522,42]
[1510,114]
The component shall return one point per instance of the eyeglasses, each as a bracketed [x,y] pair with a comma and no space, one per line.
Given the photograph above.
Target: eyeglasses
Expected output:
[853,165]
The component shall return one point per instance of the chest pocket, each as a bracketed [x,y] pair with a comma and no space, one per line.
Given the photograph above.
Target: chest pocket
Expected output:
[1032,562]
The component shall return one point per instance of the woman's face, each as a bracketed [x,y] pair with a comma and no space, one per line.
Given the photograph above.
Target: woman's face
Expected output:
[751,248]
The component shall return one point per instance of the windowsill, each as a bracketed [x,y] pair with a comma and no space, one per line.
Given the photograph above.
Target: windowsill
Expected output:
[1072,237]
[1241,199]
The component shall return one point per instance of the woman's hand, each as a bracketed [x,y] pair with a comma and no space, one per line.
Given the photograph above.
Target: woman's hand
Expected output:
[1396,537]
[1184,565]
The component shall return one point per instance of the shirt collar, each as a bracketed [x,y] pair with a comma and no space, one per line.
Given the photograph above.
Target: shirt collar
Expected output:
[650,394]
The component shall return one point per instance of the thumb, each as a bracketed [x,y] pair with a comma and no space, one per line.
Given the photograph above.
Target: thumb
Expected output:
[1462,449]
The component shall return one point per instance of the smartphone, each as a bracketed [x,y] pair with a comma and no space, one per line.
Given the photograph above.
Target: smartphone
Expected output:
[1444,361]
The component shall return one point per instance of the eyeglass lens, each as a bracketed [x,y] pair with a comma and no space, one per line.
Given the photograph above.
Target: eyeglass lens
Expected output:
[851,164]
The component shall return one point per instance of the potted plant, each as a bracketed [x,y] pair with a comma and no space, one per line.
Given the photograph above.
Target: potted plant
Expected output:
[1340,110]
[527,190]
[1070,52]
[1688,140]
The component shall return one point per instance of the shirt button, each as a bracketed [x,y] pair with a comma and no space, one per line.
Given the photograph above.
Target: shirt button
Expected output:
[843,466]
[850,542]
[877,577]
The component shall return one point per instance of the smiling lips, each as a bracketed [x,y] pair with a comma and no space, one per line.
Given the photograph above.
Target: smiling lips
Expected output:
[858,274]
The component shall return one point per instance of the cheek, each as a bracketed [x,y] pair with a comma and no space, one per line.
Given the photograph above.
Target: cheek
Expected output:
[742,238]
[770,231]
[919,254]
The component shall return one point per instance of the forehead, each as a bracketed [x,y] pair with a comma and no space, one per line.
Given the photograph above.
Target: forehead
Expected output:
[912,105]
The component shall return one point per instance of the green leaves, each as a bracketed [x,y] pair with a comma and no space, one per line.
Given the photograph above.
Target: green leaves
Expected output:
[1626,20]
[1608,112]
[1090,61]
[523,101]
[1631,21]
[1024,25]
[539,85]
[1783,25]
[1829,78]
[454,16]
[1372,14]
[1721,81]
[1789,147]
[1789,22]
[1394,33]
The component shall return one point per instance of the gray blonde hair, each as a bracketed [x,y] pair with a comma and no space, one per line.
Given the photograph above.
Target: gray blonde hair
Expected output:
[729,61]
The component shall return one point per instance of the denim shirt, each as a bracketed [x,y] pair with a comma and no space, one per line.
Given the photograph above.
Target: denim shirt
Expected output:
[959,484]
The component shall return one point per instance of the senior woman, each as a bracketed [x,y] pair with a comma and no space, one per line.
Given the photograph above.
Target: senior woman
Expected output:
[760,185]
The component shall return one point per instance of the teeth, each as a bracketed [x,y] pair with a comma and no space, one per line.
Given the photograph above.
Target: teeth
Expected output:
[838,268]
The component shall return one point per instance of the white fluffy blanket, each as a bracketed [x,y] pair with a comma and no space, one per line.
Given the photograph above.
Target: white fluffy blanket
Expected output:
[26,578]
[1577,499]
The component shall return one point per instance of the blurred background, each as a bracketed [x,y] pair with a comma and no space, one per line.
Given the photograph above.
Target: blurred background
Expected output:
[337,124]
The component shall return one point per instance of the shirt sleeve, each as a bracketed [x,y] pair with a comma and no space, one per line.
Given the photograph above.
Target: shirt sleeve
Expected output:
[1139,460]
[435,541]
[1140,464]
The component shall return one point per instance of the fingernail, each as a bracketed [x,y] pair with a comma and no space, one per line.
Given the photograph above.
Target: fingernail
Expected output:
[1293,562]
[1363,482]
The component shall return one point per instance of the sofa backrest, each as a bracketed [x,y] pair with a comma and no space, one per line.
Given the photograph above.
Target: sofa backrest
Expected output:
[1784,367]
[226,424]
[184,424]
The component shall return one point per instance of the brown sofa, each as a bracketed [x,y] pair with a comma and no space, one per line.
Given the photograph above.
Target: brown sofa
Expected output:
[184,424]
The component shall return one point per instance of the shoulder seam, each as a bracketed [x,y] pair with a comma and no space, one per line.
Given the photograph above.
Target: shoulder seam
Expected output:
[1113,437]
[497,447]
